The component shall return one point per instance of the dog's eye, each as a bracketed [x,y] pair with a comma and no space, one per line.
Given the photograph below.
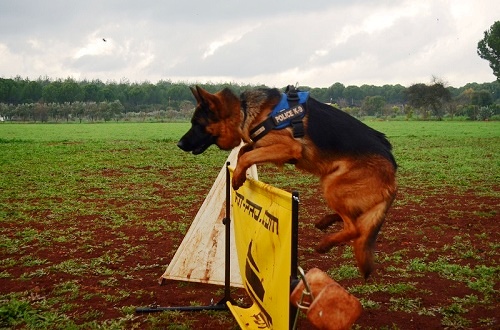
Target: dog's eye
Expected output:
[203,114]
[200,117]
[201,110]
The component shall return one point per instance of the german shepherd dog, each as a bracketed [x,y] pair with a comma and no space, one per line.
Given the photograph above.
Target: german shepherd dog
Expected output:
[353,161]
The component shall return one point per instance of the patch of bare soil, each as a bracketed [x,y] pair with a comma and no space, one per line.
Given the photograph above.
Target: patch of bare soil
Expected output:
[422,229]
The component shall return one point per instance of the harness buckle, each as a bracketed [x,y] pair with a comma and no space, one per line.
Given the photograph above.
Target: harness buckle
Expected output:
[298,128]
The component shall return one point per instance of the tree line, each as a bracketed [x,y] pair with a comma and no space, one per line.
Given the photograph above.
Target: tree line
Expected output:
[44,100]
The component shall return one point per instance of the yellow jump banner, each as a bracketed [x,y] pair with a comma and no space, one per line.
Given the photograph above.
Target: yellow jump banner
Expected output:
[265,222]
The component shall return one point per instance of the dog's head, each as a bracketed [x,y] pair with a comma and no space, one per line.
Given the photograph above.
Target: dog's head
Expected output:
[216,120]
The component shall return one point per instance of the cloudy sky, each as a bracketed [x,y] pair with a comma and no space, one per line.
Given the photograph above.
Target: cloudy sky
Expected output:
[315,43]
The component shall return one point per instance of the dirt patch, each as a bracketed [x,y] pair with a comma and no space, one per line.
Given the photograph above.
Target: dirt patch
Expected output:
[425,244]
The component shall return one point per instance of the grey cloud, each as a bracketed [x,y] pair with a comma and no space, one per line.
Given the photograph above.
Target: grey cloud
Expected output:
[162,39]
[97,63]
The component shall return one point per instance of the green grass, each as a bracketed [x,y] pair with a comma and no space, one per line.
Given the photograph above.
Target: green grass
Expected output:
[55,175]
[92,132]
[441,155]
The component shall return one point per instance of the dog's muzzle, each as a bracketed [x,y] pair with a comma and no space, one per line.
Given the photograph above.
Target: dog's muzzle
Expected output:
[196,141]
[195,150]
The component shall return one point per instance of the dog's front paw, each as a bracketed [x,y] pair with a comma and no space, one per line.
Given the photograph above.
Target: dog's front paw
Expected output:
[323,248]
[238,181]
[327,221]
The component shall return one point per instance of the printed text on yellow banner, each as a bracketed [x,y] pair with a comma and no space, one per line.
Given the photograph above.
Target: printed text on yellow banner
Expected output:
[262,219]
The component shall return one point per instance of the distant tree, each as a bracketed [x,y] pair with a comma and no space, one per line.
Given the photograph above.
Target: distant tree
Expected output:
[40,112]
[55,100]
[342,103]
[320,94]
[136,94]
[15,93]
[489,48]
[104,111]
[113,91]
[465,97]
[373,105]
[393,94]
[178,92]
[24,111]
[93,91]
[417,94]
[51,92]
[481,98]
[5,86]
[370,90]
[408,111]
[31,91]
[71,91]
[91,110]
[78,110]
[335,92]
[64,111]
[394,110]
[452,108]
[429,97]
[354,111]
[352,94]
[116,108]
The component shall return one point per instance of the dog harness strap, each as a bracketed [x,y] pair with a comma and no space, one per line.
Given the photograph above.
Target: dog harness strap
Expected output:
[294,99]
[292,96]
[262,129]
[288,112]
[298,128]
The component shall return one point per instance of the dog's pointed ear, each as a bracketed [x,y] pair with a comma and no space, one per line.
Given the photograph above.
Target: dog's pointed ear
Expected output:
[195,94]
[205,97]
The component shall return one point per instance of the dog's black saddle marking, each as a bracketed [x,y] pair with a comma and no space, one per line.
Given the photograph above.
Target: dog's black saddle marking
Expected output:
[288,112]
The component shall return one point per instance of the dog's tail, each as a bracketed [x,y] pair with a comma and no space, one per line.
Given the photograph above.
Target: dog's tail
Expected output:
[368,225]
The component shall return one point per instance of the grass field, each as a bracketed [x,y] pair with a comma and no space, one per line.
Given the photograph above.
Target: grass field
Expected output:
[91,214]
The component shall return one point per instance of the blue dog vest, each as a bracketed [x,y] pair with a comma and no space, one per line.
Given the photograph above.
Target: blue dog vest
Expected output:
[288,112]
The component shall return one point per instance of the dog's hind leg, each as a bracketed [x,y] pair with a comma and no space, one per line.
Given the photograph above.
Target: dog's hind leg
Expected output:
[362,231]
[339,198]
[327,221]
[368,225]
[348,233]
